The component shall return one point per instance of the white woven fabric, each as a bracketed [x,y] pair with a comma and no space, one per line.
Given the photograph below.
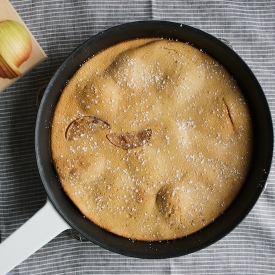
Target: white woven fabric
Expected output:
[60,26]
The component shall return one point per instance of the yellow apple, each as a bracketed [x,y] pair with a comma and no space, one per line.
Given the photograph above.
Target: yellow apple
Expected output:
[15,47]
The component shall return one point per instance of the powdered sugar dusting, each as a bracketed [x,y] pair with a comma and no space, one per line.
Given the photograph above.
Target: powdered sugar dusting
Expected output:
[188,171]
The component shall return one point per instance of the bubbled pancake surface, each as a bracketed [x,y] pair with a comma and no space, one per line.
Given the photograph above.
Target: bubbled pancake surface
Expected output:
[186,173]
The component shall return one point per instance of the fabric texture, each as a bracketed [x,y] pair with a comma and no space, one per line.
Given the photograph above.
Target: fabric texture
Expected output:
[61,26]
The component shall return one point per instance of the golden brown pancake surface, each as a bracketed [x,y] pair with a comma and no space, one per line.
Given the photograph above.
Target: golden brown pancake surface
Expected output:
[151,139]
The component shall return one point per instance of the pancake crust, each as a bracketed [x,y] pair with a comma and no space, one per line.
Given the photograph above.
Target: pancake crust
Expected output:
[151,139]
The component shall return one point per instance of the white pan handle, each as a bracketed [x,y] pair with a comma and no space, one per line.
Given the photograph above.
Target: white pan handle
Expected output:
[32,235]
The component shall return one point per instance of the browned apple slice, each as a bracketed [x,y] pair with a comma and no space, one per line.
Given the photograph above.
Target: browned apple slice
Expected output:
[130,140]
[85,127]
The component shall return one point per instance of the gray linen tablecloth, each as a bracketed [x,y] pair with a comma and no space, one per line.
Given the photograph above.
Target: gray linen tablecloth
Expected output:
[60,26]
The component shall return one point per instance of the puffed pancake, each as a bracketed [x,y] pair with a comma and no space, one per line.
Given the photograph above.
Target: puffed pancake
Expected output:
[152,139]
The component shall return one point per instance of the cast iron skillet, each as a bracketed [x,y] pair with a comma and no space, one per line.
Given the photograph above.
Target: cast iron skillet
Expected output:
[262,154]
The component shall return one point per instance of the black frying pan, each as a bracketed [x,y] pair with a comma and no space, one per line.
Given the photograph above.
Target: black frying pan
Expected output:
[262,154]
